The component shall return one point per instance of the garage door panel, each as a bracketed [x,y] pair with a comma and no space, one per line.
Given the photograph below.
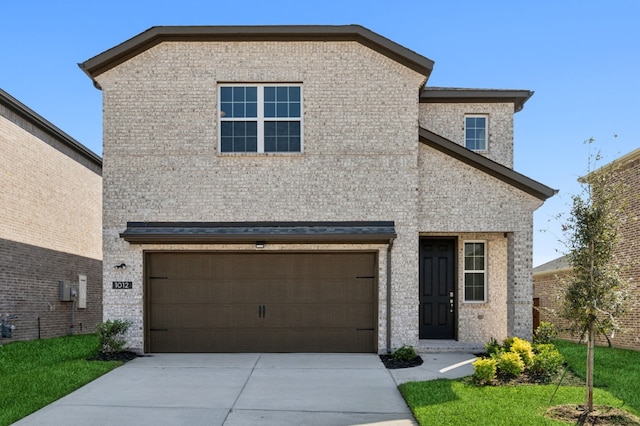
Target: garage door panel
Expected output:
[261,302]
[163,316]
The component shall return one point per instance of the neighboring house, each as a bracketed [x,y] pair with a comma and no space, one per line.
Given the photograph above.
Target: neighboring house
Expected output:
[298,188]
[50,226]
[548,278]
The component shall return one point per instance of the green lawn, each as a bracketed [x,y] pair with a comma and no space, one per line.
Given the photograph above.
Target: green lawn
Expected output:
[616,370]
[36,373]
[458,402]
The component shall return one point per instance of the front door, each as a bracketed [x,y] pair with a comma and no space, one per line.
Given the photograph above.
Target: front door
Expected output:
[437,288]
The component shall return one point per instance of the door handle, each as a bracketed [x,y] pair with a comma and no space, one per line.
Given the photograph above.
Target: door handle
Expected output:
[262,311]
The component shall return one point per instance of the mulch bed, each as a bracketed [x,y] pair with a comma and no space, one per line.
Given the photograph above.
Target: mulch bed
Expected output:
[115,356]
[393,364]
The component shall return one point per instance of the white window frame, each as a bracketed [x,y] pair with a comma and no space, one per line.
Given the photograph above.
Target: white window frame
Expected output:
[260,119]
[474,271]
[486,131]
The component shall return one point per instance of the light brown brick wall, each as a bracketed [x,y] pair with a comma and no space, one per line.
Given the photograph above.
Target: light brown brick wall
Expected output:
[360,160]
[50,230]
[447,120]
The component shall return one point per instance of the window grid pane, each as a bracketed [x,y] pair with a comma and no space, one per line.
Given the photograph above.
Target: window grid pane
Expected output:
[474,272]
[281,104]
[476,133]
[281,136]
[239,136]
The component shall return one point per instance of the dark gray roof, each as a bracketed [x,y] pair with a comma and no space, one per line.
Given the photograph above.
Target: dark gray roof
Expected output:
[486,165]
[461,95]
[248,232]
[27,114]
[155,35]
[555,265]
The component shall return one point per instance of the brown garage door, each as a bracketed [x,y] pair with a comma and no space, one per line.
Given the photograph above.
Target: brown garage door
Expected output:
[261,302]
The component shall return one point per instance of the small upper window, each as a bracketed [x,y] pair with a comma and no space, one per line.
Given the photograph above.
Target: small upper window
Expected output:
[260,118]
[476,132]
[475,271]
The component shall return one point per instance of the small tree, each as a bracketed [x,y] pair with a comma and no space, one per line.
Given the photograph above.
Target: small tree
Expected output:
[596,294]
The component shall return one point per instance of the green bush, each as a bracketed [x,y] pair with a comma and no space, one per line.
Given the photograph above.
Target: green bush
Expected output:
[509,364]
[484,370]
[545,333]
[492,347]
[404,353]
[506,344]
[111,336]
[524,349]
[546,362]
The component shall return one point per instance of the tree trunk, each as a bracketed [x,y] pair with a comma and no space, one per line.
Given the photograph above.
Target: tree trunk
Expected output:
[590,351]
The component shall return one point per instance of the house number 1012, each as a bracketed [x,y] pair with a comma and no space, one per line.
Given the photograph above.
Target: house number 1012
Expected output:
[122,285]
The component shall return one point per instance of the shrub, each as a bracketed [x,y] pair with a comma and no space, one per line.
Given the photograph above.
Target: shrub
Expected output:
[523,348]
[111,335]
[545,333]
[492,347]
[546,362]
[484,370]
[506,344]
[404,353]
[509,364]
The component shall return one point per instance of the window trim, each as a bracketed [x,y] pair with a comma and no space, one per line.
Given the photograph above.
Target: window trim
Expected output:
[465,271]
[486,131]
[260,119]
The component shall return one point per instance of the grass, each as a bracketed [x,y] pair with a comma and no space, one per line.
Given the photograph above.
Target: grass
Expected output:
[616,370]
[36,373]
[459,402]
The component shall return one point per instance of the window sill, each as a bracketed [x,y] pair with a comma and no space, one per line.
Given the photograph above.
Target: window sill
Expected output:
[259,154]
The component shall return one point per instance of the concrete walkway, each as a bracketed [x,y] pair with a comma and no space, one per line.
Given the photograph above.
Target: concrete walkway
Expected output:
[249,389]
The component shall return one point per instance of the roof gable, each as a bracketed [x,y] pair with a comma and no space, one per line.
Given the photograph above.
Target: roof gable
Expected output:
[486,165]
[156,35]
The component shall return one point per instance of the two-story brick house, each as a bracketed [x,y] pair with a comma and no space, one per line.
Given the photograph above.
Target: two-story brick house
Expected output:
[549,278]
[50,226]
[299,188]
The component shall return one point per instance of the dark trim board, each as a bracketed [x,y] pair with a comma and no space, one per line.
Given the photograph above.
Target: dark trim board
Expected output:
[486,165]
[155,35]
[265,232]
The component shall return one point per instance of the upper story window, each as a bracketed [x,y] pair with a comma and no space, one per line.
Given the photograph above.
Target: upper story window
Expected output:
[476,133]
[475,271]
[260,118]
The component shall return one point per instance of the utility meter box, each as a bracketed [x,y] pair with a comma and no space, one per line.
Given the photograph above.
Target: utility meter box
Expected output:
[65,291]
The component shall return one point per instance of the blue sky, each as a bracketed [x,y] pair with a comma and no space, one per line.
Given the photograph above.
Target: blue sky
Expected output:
[582,59]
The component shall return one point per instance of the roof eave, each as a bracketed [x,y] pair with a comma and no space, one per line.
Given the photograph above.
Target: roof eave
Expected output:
[115,56]
[486,165]
[458,95]
[46,126]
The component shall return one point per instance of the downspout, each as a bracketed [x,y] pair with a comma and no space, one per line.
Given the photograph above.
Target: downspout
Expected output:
[389,247]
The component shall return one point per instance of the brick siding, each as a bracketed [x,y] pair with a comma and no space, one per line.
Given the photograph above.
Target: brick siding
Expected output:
[50,229]
[360,162]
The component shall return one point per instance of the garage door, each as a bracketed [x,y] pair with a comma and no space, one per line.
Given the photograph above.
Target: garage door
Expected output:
[261,302]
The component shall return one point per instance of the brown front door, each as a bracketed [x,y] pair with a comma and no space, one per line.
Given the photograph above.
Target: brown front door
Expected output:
[261,302]
[437,288]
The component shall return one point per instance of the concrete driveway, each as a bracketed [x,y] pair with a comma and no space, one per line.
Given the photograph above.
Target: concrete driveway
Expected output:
[248,389]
